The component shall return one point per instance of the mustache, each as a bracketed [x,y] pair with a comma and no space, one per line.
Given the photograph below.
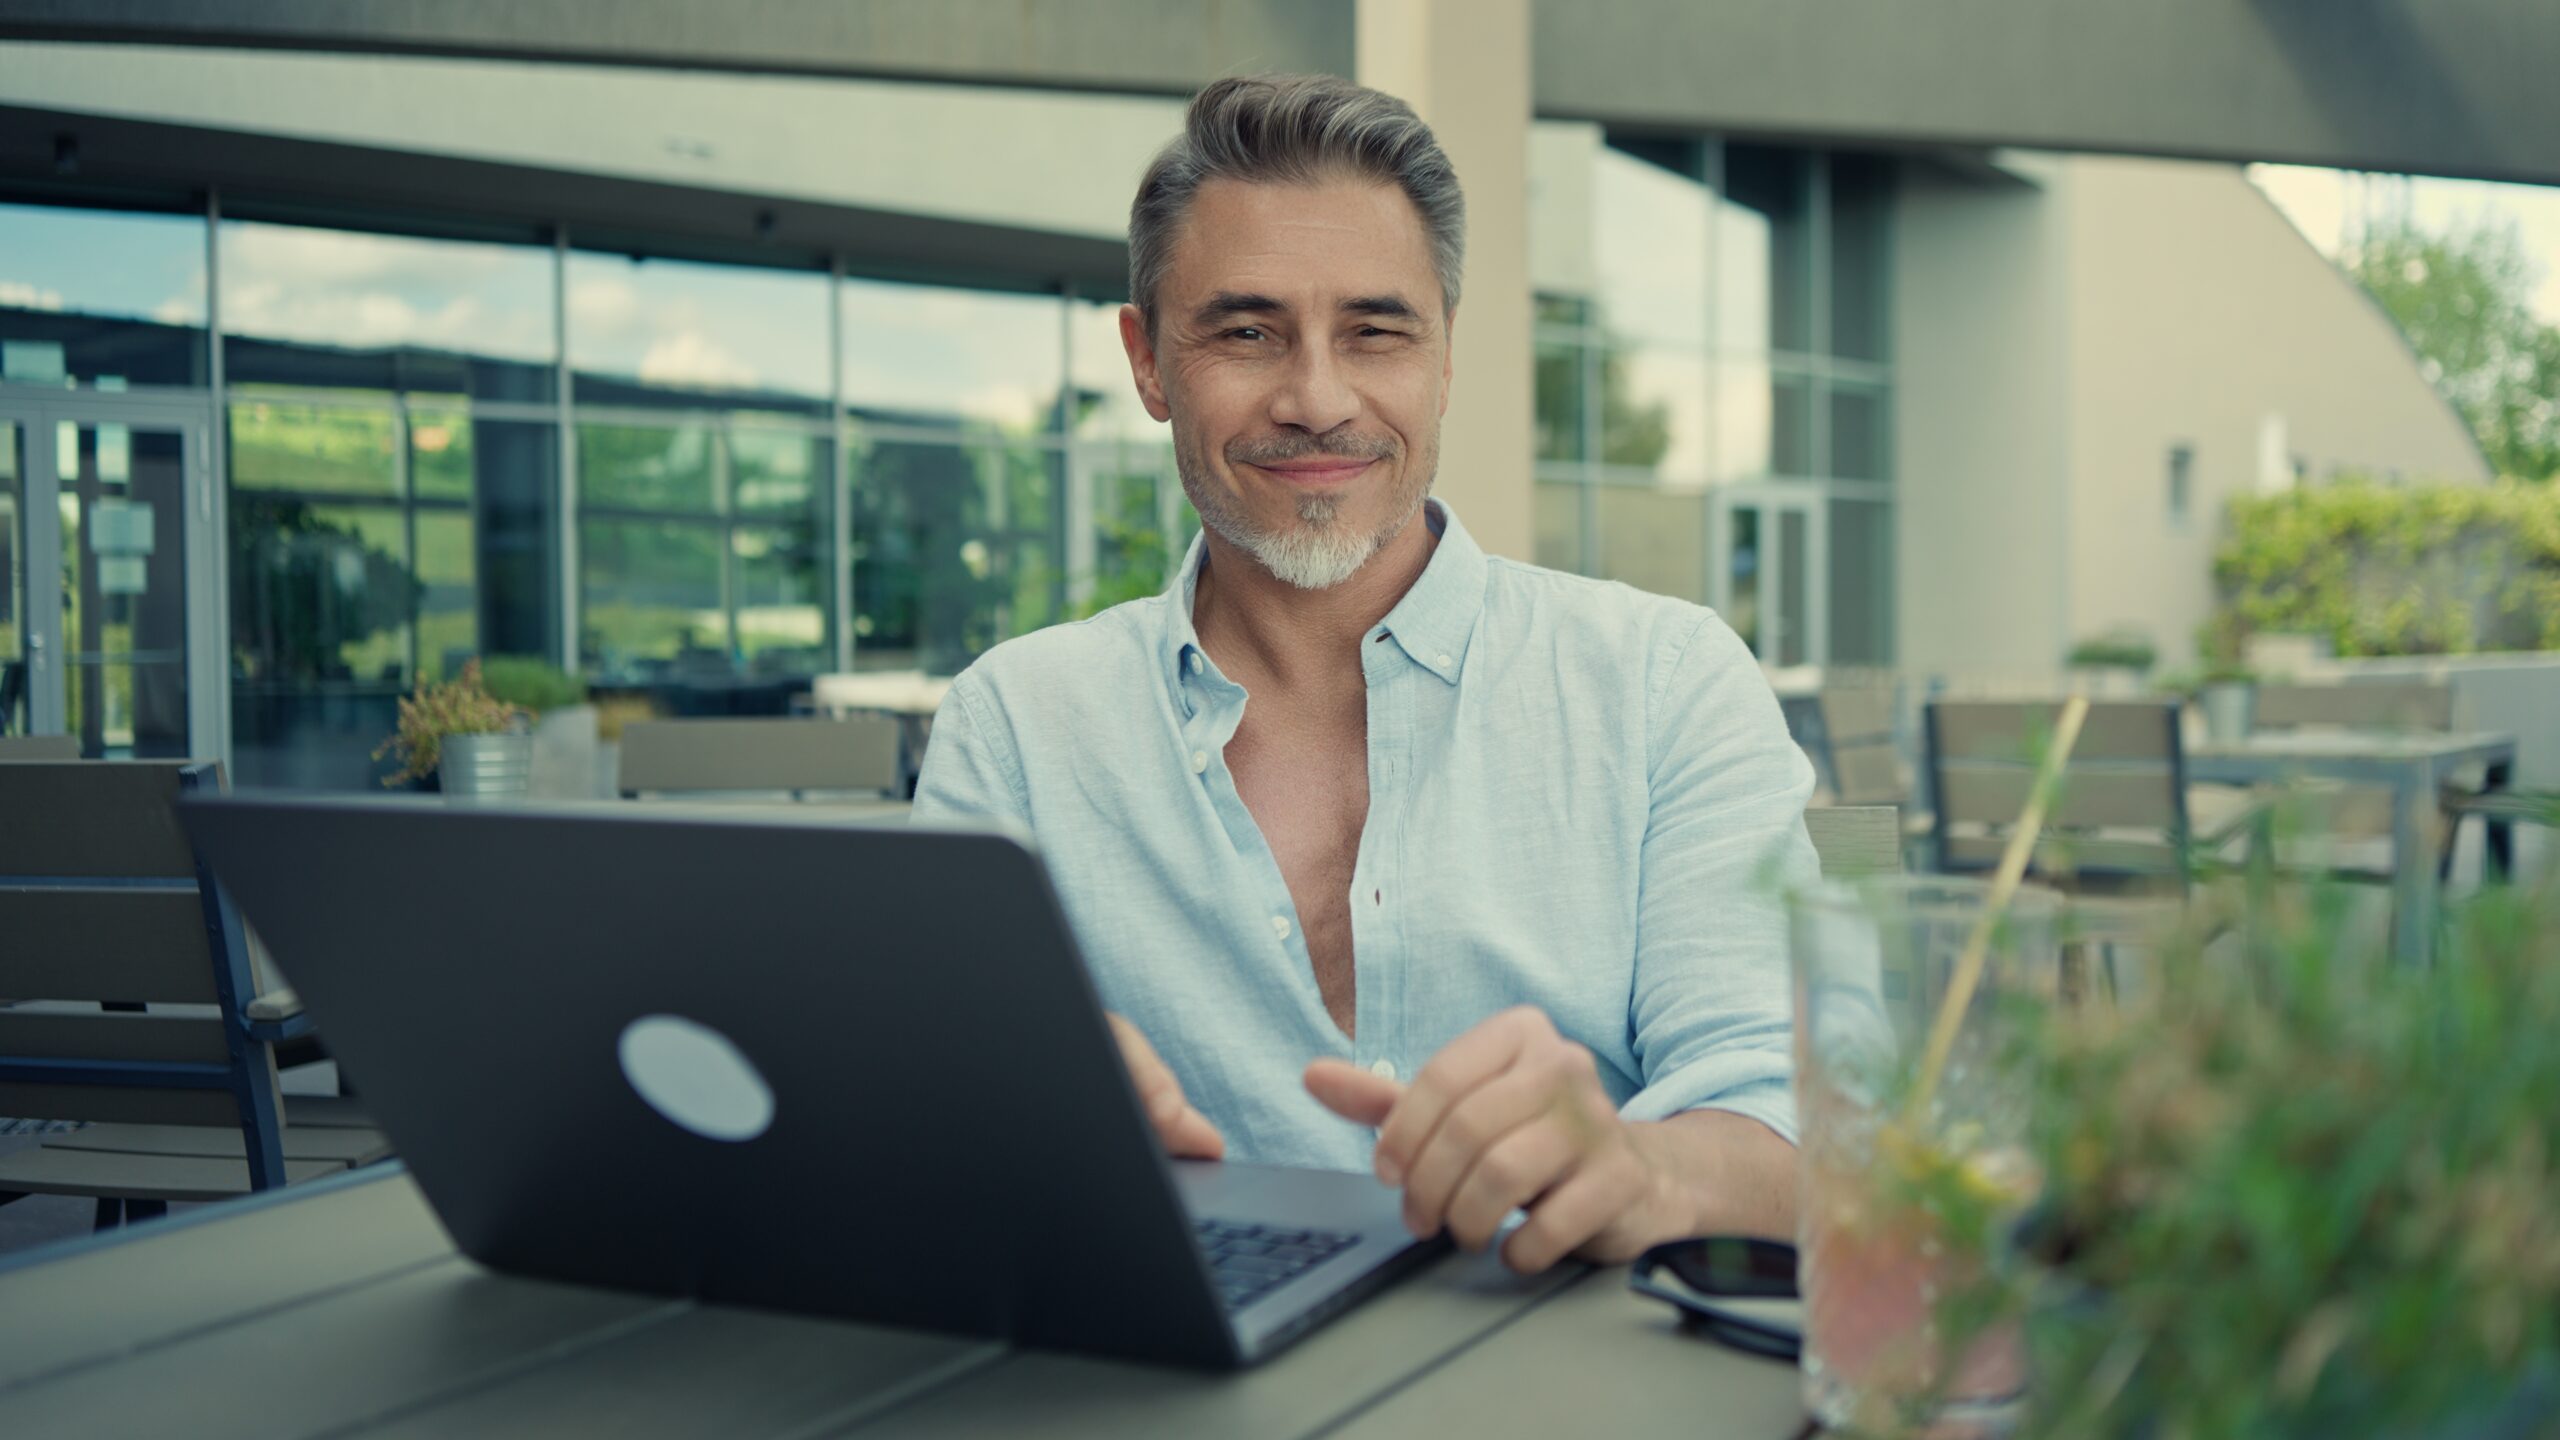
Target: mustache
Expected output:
[1280,448]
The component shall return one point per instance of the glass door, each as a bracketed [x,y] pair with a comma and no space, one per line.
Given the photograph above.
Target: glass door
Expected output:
[104,573]
[1771,583]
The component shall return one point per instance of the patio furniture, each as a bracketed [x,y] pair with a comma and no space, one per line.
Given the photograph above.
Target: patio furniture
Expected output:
[1854,840]
[341,1308]
[2380,705]
[39,747]
[855,755]
[911,696]
[134,1007]
[2123,835]
[2415,766]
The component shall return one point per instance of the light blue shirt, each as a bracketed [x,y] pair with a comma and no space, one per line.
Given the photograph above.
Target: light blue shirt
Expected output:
[1581,797]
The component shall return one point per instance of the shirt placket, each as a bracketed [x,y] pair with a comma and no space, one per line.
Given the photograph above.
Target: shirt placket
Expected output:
[1216,711]
[1378,951]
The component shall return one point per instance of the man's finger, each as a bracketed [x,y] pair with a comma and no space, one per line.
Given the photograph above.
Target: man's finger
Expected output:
[1192,1137]
[1587,1203]
[1479,1119]
[1180,1128]
[1510,1173]
[1466,1062]
[1351,1092]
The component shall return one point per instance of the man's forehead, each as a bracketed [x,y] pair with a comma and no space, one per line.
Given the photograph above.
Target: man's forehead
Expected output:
[1303,243]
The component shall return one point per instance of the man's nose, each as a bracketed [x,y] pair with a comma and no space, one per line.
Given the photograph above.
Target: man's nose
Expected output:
[1315,395]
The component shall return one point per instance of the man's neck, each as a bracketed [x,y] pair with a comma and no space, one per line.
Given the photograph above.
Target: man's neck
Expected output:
[1243,612]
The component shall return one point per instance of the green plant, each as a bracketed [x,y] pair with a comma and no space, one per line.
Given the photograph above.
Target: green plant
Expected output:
[459,706]
[2305,1192]
[531,683]
[2118,650]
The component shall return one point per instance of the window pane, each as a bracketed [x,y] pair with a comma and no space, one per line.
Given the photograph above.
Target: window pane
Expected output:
[650,597]
[1559,401]
[1743,561]
[779,472]
[515,468]
[1861,211]
[647,467]
[1650,216]
[1653,539]
[674,333]
[931,355]
[930,581]
[1858,447]
[439,454]
[1861,583]
[1763,422]
[1133,556]
[1558,519]
[1653,412]
[319,592]
[341,310]
[1764,251]
[91,295]
[448,592]
[312,449]
[782,599]
[1104,404]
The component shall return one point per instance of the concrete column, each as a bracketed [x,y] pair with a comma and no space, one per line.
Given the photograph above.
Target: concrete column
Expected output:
[1464,66]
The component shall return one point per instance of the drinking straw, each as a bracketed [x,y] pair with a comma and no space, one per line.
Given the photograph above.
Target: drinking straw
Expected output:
[2004,888]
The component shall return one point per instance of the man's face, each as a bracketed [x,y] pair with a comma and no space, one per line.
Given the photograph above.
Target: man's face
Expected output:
[1301,352]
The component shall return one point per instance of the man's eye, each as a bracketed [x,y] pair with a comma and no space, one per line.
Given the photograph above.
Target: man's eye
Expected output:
[1372,332]
[1245,332]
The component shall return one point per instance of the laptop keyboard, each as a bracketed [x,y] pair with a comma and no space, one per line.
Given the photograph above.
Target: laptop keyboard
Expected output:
[1246,1261]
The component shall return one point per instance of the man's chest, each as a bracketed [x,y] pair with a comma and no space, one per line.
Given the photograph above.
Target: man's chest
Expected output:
[1306,784]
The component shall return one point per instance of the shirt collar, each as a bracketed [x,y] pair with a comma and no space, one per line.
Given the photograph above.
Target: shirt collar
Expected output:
[1432,624]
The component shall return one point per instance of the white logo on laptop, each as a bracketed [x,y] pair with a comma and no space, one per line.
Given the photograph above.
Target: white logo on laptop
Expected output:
[694,1076]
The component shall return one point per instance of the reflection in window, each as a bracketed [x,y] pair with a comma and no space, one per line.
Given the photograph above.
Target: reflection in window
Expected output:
[1861,214]
[956,549]
[1556,512]
[1652,539]
[1131,487]
[1653,412]
[312,449]
[1650,215]
[1104,403]
[1861,582]
[93,297]
[650,600]
[336,309]
[1765,264]
[931,355]
[1560,404]
[647,467]
[659,333]
[1858,439]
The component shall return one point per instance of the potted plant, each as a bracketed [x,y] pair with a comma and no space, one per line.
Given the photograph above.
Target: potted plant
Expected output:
[565,731]
[471,741]
[2114,662]
[2226,689]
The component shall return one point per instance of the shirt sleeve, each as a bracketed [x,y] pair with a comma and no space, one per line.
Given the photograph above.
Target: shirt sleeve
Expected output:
[971,771]
[1725,843]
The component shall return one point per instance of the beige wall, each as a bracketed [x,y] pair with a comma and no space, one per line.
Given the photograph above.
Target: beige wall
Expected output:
[1980,425]
[2196,312]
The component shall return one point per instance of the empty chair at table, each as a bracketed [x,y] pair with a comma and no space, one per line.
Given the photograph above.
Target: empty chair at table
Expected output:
[133,1004]
[39,747]
[2123,831]
[2355,820]
[851,756]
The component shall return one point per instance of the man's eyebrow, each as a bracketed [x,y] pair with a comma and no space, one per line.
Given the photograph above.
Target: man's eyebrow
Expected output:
[1227,304]
[1394,307]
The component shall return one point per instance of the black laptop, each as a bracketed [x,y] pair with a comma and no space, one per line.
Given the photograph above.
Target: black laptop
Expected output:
[778,1060]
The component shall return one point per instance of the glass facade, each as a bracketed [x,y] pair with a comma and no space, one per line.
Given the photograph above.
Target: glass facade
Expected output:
[1713,380]
[702,483]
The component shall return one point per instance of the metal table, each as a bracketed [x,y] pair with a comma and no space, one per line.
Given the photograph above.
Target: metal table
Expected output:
[2414,766]
[339,1308]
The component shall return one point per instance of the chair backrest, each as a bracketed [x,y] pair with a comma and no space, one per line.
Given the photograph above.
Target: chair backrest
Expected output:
[104,903]
[2408,705]
[1857,725]
[2122,808]
[39,747]
[1856,839]
[13,689]
[854,753]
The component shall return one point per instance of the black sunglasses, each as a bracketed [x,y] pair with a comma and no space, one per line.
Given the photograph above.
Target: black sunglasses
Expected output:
[1694,1274]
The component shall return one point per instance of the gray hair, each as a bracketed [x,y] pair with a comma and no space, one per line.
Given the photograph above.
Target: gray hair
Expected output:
[1294,129]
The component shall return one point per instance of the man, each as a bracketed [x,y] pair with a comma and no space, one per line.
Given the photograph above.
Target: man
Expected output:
[1384,852]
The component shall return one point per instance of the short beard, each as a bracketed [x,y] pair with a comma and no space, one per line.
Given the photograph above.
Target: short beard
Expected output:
[1318,552]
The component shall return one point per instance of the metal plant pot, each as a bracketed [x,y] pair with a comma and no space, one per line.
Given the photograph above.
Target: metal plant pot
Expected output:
[483,767]
[2230,709]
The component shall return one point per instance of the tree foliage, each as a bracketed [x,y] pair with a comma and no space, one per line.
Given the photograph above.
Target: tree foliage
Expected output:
[2462,296]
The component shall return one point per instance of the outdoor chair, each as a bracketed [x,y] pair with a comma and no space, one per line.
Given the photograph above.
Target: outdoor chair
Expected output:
[2124,833]
[852,756]
[39,747]
[133,1005]
[1854,840]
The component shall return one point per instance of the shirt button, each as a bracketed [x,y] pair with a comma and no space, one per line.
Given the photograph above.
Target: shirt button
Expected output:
[1444,662]
[1193,660]
[1280,926]
[1199,762]
[1383,1069]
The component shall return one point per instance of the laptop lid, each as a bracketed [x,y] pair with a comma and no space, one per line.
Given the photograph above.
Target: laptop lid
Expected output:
[950,1139]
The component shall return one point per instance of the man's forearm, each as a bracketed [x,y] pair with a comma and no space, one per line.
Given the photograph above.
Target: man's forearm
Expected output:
[1727,1174]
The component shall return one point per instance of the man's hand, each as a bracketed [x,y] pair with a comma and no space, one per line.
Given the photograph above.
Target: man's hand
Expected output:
[1185,1133]
[1513,1116]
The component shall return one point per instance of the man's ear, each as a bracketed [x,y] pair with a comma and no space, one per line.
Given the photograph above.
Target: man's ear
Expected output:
[1142,361]
[1448,361]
